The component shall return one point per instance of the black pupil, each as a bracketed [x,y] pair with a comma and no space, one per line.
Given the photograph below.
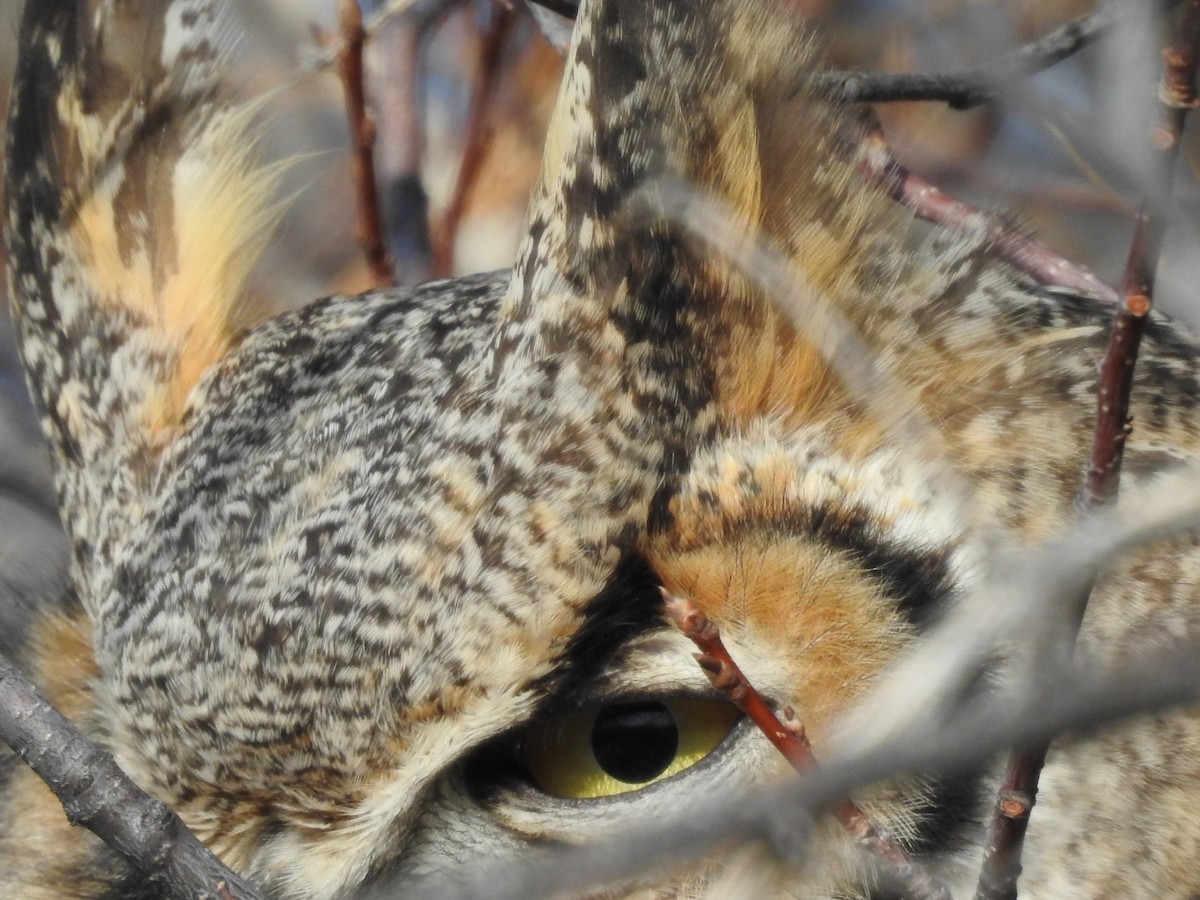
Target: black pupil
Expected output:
[635,742]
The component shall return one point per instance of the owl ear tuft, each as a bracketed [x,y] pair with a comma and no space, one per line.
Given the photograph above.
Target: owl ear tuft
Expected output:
[731,124]
[136,211]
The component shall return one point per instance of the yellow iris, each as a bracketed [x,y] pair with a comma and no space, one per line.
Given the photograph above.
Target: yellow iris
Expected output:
[614,748]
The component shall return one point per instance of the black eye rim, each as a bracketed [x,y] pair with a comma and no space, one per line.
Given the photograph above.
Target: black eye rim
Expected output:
[496,772]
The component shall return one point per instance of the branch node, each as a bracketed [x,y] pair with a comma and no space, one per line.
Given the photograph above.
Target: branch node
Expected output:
[1137,304]
[1015,804]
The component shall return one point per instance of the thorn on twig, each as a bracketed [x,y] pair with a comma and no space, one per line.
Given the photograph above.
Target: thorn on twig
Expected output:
[362,133]
[789,737]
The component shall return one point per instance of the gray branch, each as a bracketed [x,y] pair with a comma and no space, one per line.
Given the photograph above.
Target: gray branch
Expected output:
[973,86]
[961,90]
[96,794]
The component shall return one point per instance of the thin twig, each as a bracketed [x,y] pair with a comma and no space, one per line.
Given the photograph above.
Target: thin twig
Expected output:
[728,678]
[973,86]
[928,202]
[1018,792]
[961,90]
[790,739]
[400,140]
[96,794]
[1116,370]
[478,136]
[362,134]
[1177,96]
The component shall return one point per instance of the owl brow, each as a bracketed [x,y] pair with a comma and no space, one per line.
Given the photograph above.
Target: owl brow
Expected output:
[916,577]
[629,606]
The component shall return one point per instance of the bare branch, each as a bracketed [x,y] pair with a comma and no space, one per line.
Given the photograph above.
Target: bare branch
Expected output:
[362,134]
[1018,792]
[973,86]
[727,677]
[478,134]
[96,794]
[929,202]
[1177,97]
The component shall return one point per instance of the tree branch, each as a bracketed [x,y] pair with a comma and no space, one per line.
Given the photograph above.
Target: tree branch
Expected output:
[1018,792]
[978,84]
[96,794]
[929,202]
[362,134]
[478,133]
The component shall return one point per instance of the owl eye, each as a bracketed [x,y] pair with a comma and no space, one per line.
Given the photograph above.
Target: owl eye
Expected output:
[615,748]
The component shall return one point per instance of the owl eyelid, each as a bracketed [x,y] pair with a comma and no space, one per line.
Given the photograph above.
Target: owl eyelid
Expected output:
[588,697]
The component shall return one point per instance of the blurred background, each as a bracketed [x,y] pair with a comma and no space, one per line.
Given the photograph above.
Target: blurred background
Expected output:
[461,91]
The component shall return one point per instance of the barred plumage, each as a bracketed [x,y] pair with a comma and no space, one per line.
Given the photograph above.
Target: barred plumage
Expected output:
[326,566]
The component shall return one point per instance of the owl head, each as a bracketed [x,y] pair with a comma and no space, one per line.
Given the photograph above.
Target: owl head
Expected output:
[373,589]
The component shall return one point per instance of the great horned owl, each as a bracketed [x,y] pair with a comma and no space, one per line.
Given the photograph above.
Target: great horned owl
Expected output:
[372,589]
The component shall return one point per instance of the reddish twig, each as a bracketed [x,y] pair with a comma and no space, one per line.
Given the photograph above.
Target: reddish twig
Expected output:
[478,136]
[928,202]
[362,133]
[1010,818]
[400,140]
[790,739]
[1116,370]
[1177,96]
[1018,792]
[96,794]
[727,678]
